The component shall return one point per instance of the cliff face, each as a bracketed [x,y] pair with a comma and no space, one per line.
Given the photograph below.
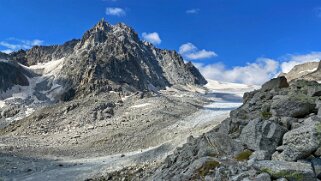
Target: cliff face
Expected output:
[42,54]
[12,74]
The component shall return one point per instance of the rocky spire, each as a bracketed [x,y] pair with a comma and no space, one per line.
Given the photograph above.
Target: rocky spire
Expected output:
[102,25]
[97,34]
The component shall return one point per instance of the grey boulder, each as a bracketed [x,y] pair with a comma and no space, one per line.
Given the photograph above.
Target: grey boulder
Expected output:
[301,142]
[262,135]
[263,177]
[276,83]
[292,106]
[293,171]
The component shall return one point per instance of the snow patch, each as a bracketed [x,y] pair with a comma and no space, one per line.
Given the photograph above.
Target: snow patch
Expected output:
[49,68]
[308,71]
[141,105]
[2,104]
[29,111]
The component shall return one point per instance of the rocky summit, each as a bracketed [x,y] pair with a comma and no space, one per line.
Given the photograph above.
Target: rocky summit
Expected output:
[110,57]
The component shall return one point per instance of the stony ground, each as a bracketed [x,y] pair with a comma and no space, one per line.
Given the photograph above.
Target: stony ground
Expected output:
[275,135]
[94,136]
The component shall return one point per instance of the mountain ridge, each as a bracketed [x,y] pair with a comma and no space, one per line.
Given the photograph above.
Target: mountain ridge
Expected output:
[108,57]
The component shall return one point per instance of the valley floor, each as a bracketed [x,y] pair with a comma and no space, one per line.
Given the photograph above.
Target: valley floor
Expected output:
[102,149]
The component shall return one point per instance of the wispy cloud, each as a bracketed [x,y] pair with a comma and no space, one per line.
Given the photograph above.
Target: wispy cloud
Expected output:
[6,51]
[152,37]
[257,72]
[191,52]
[192,11]
[317,12]
[254,73]
[114,11]
[13,44]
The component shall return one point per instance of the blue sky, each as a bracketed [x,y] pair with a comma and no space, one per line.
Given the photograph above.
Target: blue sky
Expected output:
[227,39]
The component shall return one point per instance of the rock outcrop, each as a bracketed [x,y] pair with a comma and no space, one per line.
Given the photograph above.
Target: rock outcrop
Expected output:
[275,135]
[276,83]
[11,74]
[301,70]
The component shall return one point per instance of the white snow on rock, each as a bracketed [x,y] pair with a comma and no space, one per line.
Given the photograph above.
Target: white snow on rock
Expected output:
[2,104]
[141,105]
[307,71]
[49,68]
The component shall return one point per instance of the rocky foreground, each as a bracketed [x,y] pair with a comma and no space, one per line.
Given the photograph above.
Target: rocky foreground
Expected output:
[274,135]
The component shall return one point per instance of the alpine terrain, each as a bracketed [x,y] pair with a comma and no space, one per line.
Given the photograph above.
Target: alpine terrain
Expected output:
[109,106]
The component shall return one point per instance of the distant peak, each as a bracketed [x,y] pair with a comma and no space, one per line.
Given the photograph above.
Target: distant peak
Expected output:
[102,25]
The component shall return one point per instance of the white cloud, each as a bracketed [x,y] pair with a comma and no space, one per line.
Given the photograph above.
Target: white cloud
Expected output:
[191,52]
[152,37]
[254,73]
[192,11]
[317,12]
[6,51]
[202,54]
[187,47]
[290,61]
[115,11]
[13,44]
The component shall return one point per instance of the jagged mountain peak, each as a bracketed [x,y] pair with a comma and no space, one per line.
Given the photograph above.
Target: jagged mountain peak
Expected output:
[103,32]
[102,25]
[112,58]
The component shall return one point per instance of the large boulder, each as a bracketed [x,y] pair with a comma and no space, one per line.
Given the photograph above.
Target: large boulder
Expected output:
[295,105]
[316,165]
[293,171]
[276,83]
[195,159]
[301,142]
[262,135]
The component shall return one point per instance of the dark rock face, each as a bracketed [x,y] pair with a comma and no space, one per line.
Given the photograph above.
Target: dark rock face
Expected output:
[276,83]
[41,54]
[199,79]
[4,56]
[12,74]
[19,56]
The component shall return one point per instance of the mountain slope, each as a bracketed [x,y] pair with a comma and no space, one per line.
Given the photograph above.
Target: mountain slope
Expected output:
[110,58]
[301,70]
[11,73]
